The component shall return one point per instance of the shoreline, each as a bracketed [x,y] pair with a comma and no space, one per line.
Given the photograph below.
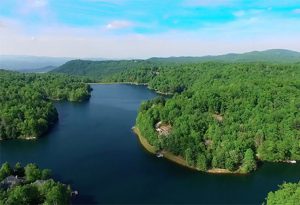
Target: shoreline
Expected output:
[177,159]
[133,83]
[118,83]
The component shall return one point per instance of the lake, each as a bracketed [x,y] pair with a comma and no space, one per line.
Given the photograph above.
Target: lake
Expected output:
[93,148]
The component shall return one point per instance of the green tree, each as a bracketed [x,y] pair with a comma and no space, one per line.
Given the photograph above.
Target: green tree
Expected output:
[201,162]
[249,163]
[32,172]
[56,193]
[5,171]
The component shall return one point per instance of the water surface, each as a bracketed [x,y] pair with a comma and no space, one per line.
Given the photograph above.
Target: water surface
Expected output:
[93,148]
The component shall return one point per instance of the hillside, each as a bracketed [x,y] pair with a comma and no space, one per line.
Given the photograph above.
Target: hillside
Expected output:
[273,55]
[97,70]
[100,70]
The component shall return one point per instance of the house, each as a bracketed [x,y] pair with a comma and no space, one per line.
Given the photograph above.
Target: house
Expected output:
[39,182]
[10,182]
[163,129]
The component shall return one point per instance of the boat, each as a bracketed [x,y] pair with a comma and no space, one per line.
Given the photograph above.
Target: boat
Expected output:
[291,161]
[74,193]
[159,155]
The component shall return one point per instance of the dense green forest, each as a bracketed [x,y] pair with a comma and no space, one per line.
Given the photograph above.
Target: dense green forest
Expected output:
[26,108]
[226,115]
[31,185]
[99,70]
[288,194]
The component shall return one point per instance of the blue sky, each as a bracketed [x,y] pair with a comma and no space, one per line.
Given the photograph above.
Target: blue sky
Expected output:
[144,28]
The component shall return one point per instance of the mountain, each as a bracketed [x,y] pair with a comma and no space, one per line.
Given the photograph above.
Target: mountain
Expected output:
[39,70]
[273,55]
[21,63]
[100,69]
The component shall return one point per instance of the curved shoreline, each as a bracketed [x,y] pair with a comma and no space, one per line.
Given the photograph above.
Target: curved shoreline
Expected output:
[177,159]
[132,83]
[118,83]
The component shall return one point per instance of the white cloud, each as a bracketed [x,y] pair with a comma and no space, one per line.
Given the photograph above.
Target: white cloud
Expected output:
[209,2]
[296,11]
[251,13]
[29,6]
[239,13]
[245,34]
[8,23]
[108,1]
[119,24]
[37,3]
[2,24]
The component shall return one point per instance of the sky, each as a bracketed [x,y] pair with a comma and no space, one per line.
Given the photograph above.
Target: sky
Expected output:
[146,28]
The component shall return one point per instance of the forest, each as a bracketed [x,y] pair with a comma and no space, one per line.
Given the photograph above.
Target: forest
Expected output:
[288,194]
[31,185]
[223,115]
[26,101]
[99,70]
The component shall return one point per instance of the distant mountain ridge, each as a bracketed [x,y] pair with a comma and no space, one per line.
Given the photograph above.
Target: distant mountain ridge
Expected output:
[26,63]
[22,63]
[100,69]
[272,55]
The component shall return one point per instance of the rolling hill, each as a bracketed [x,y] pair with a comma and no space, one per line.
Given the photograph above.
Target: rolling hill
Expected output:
[273,55]
[97,70]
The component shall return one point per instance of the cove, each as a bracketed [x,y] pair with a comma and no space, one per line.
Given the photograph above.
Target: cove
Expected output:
[93,148]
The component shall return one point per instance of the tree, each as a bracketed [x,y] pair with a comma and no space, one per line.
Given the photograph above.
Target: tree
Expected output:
[19,170]
[5,171]
[46,173]
[249,163]
[56,193]
[32,172]
[189,157]
[201,162]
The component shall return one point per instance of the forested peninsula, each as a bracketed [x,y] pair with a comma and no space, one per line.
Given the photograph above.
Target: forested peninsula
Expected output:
[26,101]
[221,115]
